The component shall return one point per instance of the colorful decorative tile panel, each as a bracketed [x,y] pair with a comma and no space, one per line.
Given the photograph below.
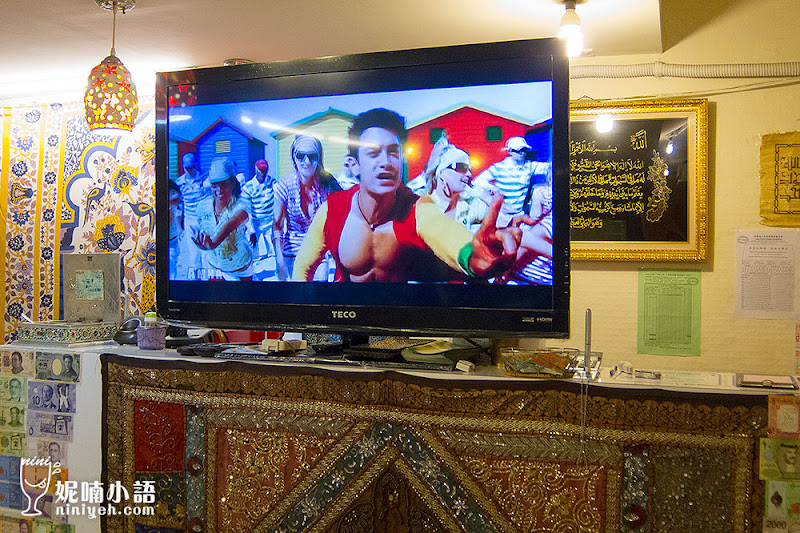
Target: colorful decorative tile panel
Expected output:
[29,191]
[64,190]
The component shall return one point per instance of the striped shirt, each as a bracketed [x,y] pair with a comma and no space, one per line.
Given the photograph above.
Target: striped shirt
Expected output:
[259,200]
[511,180]
[540,270]
[193,191]
[287,190]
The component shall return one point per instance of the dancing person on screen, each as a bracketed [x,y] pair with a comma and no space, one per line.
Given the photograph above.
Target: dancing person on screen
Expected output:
[376,229]
[179,243]
[350,172]
[298,197]
[258,195]
[512,177]
[449,184]
[420,184]
[223,228]
[534,264]
[194,188]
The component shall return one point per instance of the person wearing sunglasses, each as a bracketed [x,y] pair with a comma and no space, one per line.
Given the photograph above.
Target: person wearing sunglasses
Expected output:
[450,186]
[298,196]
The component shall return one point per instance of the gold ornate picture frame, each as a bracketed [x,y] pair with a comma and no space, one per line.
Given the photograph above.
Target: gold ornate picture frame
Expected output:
[639,180]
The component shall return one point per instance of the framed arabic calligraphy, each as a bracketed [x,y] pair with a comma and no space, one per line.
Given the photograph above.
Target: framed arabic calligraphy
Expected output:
[638,192]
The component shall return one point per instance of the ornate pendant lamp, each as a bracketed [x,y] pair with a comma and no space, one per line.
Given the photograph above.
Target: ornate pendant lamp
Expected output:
[110,102]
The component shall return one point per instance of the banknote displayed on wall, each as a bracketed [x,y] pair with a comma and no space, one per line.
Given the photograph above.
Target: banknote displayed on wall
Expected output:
[13,524]
[16,362]
[784,416]
[54,366]
[779,459]
[13,389]
[11,495]
[45,526]
[780,525]
[9,468]
[49,425]
[12,416]
[12,442]
[782,499]
[49,396]
[56,450]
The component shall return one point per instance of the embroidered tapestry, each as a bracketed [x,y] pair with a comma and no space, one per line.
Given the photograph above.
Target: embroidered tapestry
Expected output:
[66,190]
[233,446]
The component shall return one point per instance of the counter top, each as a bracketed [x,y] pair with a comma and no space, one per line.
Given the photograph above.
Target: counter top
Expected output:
[672,380]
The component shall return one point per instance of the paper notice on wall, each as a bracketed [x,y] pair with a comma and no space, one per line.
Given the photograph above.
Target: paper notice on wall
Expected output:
[766,274]
[669,312]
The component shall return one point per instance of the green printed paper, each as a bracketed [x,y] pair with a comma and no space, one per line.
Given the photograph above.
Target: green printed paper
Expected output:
[669,312]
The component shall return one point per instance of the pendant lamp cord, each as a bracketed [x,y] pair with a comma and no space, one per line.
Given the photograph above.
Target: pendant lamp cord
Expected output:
[113,27]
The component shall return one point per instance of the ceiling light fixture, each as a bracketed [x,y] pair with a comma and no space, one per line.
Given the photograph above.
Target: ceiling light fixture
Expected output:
[110,101]
[570,29]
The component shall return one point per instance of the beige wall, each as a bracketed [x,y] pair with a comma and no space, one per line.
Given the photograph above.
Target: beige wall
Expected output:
[749,31]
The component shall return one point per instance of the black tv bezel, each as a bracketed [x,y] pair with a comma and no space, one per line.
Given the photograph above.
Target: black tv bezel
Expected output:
[448,66]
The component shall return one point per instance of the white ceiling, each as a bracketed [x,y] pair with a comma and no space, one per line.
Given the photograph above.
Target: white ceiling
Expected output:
[56,43]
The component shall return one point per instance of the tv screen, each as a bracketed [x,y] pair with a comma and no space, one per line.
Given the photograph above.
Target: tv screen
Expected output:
[415,191]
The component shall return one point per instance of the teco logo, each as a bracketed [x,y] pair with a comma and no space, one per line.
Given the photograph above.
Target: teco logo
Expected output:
[343,314]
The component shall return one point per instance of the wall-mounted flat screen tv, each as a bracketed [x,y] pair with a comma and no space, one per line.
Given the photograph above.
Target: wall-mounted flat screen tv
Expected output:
[414,191]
